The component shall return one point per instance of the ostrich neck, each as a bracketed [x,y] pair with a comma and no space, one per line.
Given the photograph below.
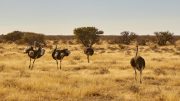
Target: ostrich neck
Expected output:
[136,52]
[54,51]
[55,48]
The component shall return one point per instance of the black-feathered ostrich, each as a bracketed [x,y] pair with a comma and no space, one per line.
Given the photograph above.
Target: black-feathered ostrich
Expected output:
[59,55]
[34,53]
[89,52]
[138,63]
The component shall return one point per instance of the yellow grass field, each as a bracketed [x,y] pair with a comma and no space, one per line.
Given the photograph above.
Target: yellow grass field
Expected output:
[108,77]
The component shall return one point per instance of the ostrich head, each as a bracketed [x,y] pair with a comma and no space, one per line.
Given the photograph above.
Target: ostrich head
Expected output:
[26,50]
[136,45]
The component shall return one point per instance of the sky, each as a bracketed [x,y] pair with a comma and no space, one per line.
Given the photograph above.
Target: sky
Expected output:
[60,17]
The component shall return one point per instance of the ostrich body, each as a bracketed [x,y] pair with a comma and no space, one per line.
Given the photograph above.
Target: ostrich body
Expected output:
[89,52]
[34,54]
[59,55]
[138,63]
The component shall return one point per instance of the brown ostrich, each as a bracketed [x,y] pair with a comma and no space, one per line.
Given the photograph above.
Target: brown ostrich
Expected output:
[138,63]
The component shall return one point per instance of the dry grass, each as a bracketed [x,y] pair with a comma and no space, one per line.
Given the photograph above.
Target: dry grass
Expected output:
[109,76]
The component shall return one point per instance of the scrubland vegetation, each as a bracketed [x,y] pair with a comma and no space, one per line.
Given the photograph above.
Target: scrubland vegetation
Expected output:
[108,77]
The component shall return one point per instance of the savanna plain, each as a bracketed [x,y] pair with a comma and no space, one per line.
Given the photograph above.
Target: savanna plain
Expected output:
[108,77]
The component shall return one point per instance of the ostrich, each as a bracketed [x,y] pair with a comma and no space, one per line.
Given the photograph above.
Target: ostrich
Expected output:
[59,55]
[89,52]
[138,63]
[34,53]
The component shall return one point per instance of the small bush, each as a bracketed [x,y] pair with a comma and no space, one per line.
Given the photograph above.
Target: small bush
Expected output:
[128,52]
[121,46]
[55,42]
[153,47]
[134,88]
[102,71]
[113,41]
[159,71]
[157,59]
[23,73]
[2,68]
[76,58]
[79,68]
[142,42]
[113,62]
[70,42]
[177,53]
[10,83]
[63,41]
[72,62]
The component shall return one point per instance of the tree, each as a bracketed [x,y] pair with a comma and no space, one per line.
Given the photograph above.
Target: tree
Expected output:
[88,36]
[164,37]
[127,37]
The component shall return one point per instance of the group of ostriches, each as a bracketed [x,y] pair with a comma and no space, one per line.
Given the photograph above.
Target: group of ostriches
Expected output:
[36,51]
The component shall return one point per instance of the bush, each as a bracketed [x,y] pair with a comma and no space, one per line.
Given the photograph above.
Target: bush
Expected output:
[142,41]
[1,38]
[31,37]
[55,42]
[24,37]
[14,36]
[126,37]
[164,37]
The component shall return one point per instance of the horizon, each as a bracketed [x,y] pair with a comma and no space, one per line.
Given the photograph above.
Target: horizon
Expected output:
[73,34]
[60,17]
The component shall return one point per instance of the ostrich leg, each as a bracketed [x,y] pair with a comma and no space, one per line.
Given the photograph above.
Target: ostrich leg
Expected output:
[60,63]
[57,63]
[88,58]
[30,63]
[141,76]
[33,64]
[135,74]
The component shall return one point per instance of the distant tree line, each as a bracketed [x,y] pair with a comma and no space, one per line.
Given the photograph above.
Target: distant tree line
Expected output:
[19,37]
[125,37]
[161,38]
